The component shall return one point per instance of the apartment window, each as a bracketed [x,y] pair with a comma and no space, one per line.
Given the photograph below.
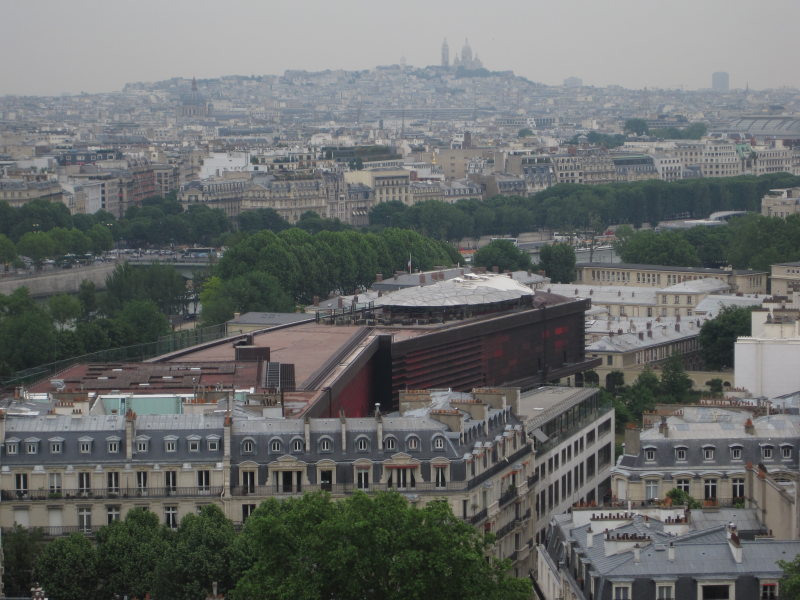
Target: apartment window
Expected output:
[84,481]
[438,443]
[362,479]
[194,445]
[203,479]
[683,485]
[650,454]
[786,452]
[85,519]
[113,446]
[766,452]
[171,480]
[325,445]
[708,453]
[402,478]
[54,481]
[769,591]
[710,489]
[85,446]
[248,447]
[275,446]
[112,479]
[737,487]
[362,444]
[247,510]
[665,591]
[12,448]
[141,481]
[32,447]
[142,445]
[736,453]
[213,445]
[413,443]
[297,445]
[56,447]
[622,592]
[21,482]
[249,482]
[440,477]
[170,445]
[390,443]
[171,516]
[680,454]
[112,514]
[651,488]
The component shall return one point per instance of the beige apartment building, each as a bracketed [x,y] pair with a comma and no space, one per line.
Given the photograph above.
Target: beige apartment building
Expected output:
[18,192]
[389,185]
[785,279]
[781,202]
[742,281]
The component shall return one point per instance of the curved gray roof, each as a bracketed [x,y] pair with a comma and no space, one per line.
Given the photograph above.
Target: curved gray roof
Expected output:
[786,127]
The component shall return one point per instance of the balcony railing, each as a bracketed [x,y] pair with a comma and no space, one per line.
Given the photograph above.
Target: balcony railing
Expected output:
[60,530]
[508,495]
[109,493]
[506,529]
[478,516]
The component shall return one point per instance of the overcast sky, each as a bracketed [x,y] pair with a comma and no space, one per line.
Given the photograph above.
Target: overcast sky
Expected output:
[53,46]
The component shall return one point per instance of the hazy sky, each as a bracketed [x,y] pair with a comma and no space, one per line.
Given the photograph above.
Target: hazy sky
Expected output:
[50,47]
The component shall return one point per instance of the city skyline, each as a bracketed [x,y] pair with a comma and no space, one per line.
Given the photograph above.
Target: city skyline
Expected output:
[94,47]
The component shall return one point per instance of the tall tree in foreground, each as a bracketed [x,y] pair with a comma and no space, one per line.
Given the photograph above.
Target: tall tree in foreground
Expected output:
[67,568]
[503,254]
[558,262]
[363,548]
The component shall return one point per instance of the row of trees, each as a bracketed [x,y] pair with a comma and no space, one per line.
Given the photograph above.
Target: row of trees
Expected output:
[273,272]
[132,310]
[746,242]
[575,207]
[358,548]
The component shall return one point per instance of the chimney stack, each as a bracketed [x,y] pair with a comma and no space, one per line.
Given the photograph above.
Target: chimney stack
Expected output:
[671,552]
[632,440]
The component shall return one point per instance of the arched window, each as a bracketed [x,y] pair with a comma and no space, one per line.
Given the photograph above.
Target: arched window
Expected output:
[362,444]
[325,445]
[390,443]
[275,446]
[438,443]
[297,445]
[412,443]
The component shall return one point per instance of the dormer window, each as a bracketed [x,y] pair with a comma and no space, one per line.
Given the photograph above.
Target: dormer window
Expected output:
[680,454]
[57,446]
[413,443]
[649,454]
[194,444]
[297,445]
[438,443]
[213,443]
[248,447]
[32,446]
[389,443]
[12,447]
[170,444]
[112,445]
[142,444]
[275,446]
[362,444]
[766,452]
[325,445]
[708,453]
[786,452]
[736,453]
[85,445]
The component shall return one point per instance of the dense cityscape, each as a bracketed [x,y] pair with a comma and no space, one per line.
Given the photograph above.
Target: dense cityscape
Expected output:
[400,332]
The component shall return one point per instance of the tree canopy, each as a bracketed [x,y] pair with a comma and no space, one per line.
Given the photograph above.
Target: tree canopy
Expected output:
[718,336]
[503,254]
[558,262]
[366,547]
